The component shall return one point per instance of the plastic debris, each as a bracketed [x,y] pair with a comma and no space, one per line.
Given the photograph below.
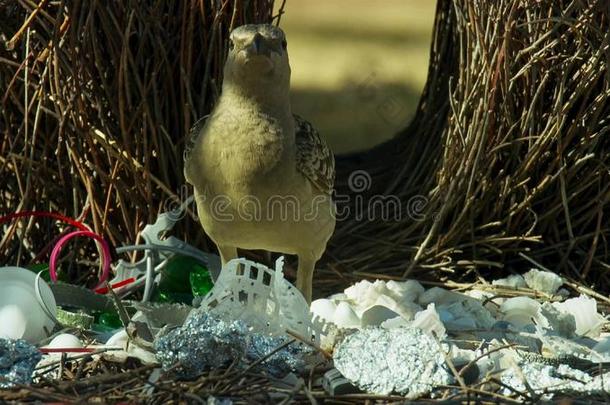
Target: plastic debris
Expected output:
[377,314]
[552,333]
[335,384]
[544,281]
[584,310]
[78,320]
[264,300]
[65,341]
[602,349]
[345,317]
[206,341]
[182,279]
[324,308]
[126,349]
[440,296]
[18,359]
[512,281]
[557,321]
[429,322]
[402,360]
[466,314]
[73,296]
[521,311]
[27,305]
[159,249]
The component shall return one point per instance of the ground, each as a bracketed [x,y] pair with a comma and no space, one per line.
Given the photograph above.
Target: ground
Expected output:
[358,66]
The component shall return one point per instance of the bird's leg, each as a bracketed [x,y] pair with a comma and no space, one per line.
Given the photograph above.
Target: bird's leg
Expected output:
[305,275]
[227,253]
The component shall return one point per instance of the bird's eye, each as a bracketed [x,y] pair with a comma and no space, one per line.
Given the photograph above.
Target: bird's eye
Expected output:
[231,45]
[284,44]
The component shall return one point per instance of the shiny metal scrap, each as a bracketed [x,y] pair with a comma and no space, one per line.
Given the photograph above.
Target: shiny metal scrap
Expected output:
[403,360]
[18,359]
[207,342]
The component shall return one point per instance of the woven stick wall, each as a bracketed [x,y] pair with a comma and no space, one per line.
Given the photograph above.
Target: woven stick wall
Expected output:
[506,160]
[508,157]
[97,99]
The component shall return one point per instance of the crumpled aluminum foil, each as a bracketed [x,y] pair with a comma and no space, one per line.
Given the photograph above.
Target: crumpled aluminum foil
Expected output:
[403,360]
[18,359]
[206,341]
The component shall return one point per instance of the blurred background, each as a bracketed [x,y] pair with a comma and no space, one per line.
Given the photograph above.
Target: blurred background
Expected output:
[358,66]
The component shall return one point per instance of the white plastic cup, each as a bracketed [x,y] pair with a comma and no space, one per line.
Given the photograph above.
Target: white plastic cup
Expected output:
[22,315]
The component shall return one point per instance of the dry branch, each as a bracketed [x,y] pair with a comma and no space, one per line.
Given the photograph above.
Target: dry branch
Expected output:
[509,150]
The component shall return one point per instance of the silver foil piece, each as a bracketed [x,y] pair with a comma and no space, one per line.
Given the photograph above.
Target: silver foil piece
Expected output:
[402,360]
[18,359]
[207,342]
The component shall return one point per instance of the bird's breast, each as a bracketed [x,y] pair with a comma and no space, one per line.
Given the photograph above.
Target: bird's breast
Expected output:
[246,150]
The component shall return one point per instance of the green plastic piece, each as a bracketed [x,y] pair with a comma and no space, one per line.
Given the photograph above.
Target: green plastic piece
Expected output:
[183,279]
[201,281]
[110,319]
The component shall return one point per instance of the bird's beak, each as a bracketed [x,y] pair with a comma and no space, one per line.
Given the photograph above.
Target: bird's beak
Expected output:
[259,46]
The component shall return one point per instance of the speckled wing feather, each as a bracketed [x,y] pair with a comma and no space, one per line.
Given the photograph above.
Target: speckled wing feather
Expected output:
[314,159]
[193,135]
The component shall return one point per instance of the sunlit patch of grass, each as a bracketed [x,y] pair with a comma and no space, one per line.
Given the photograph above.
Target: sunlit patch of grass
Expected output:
[358,65]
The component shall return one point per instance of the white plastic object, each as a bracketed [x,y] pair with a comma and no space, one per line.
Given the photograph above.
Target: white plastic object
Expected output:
[544,281]
[65,341]
[440,296]
[405,291]
[263,299]
[22,315]
[429,321]
[512,281]
[324,308]
[365,293]
[521,311]
[157,251]
[120,340]
[602,348]
[346,317]
[589,322]
[376,315]
[406,309]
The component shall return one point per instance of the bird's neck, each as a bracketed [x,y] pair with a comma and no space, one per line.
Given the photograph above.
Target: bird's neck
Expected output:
[272,101]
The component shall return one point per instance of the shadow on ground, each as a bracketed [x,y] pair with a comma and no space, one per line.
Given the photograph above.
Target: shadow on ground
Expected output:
[359,115]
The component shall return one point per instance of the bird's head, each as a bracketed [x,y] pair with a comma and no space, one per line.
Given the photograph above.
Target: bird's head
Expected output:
[258,57]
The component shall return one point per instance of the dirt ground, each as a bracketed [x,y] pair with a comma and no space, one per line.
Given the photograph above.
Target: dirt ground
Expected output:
[358,66]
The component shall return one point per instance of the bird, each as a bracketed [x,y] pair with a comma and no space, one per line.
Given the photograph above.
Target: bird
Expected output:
[263,177]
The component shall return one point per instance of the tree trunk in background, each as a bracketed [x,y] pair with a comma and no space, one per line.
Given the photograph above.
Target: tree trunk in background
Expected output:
[507,161]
